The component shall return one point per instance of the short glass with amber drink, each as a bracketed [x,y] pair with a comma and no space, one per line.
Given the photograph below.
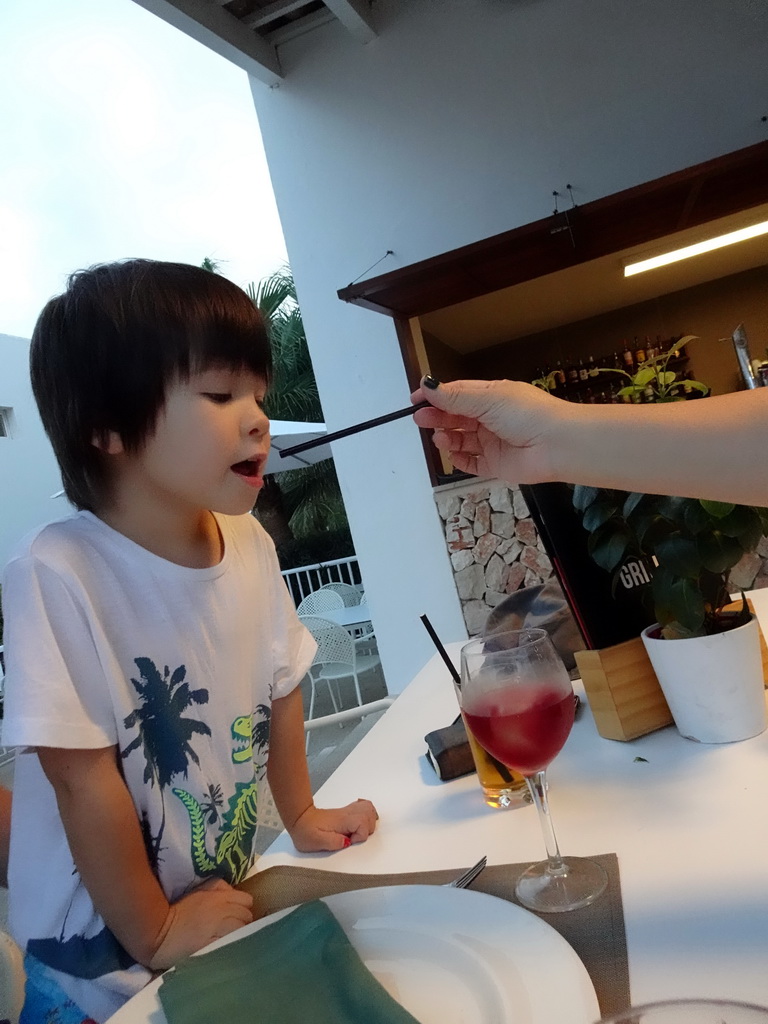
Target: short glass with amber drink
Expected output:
[502,787]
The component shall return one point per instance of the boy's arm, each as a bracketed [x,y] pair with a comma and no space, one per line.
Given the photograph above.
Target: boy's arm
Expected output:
[107,847]
[309,827]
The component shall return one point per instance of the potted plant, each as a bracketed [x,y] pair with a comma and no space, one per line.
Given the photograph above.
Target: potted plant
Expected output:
[707,659]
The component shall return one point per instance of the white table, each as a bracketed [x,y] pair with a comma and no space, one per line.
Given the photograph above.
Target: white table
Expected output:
[690,828]
[349,616]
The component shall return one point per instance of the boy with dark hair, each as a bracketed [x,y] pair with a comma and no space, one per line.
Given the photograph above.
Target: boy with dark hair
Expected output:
[153,654]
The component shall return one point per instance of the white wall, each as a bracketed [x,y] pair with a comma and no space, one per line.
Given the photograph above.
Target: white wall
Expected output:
[29,474]
[457,123]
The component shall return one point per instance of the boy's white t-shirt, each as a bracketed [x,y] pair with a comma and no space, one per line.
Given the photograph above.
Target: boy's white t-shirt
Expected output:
[108,644]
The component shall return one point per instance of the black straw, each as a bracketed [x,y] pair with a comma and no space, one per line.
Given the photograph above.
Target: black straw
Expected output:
[500,768]
[441,650]
[317,441]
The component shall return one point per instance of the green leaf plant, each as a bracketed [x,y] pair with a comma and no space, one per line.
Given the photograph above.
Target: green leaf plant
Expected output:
[665,384]
[691,544]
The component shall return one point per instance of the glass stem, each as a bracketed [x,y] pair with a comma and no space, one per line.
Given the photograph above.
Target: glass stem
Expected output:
[537,786]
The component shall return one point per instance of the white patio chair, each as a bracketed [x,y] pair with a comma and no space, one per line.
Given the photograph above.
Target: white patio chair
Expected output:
[363,634]
[350,595]
[320,601]
[340,718]
[337,658]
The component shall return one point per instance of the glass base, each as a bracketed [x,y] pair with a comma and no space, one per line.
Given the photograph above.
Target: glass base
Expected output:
[507,796]
[579,884]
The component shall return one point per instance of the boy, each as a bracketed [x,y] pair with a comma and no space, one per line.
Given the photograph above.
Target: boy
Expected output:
[153,654]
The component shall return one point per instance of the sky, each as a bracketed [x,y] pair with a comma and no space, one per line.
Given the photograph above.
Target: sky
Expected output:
[119,137]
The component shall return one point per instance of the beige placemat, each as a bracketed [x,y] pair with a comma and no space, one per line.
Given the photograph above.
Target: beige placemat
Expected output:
[596,932]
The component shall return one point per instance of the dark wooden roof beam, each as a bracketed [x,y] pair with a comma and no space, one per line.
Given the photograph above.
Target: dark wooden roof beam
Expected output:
[635,217]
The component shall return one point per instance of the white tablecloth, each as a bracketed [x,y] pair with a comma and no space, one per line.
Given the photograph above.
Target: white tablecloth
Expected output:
[689,824]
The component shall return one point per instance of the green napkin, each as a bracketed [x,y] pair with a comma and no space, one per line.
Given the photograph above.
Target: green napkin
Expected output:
[301,968]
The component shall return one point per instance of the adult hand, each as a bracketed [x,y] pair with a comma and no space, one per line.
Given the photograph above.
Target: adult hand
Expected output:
[498,428]
[334,828]
[213,910]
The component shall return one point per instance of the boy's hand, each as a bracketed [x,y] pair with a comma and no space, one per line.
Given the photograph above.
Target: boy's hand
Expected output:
[333,828]
[211,911]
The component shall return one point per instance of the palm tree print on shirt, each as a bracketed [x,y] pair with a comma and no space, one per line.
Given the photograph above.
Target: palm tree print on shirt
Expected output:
[164,733]
[210,806]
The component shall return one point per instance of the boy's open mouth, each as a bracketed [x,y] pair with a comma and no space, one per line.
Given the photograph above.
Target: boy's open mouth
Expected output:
[247,468]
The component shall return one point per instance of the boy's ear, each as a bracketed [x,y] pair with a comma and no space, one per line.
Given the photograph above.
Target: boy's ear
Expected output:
[108,442]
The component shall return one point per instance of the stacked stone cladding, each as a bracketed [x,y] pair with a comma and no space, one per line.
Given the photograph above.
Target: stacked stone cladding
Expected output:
[493,545]
[495,548]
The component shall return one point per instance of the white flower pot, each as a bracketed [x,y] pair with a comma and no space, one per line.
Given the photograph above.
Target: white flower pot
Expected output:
[713,684]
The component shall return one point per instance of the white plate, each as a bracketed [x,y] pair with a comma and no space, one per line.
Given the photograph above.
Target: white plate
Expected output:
[449,956]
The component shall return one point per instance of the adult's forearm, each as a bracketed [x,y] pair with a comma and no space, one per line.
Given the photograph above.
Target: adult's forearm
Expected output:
[712,448]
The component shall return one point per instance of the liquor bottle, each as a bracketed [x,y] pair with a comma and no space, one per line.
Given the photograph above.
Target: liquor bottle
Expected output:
[572,374]
[592,368]
[559,376]
[627,358]
[639,352]
[583,372]
[650,349]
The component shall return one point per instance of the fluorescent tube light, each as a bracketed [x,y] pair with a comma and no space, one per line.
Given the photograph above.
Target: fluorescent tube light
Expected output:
[697,249]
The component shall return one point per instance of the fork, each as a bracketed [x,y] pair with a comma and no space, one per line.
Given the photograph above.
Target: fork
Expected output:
[468,876]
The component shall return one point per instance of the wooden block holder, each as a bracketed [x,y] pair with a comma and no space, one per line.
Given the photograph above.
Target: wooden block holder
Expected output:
[623,691]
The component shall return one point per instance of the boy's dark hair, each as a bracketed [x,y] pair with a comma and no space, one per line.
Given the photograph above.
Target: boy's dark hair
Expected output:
[105,351]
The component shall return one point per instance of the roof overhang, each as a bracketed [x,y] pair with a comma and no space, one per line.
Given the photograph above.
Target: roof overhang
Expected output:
[249,32]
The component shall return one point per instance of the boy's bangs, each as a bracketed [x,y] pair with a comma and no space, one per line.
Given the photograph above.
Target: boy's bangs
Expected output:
[237,349]
[226,329]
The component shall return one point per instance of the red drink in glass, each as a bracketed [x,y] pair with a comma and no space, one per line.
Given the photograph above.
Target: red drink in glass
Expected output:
[524,731]
[517,700]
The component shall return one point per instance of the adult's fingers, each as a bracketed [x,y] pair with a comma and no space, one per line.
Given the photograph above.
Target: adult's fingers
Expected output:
[468,398]
[431,417]
[458,441]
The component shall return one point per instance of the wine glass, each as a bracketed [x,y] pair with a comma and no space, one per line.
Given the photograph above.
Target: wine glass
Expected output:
[691,1011]
[518,702]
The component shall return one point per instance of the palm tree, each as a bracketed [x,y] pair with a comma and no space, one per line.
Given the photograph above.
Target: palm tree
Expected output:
[164,734]
[300,503]
[293,393]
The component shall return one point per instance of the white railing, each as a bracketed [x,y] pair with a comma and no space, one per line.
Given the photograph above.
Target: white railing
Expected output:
[307,578]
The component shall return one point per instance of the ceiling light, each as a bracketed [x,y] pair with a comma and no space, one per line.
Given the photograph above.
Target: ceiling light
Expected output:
[695,250]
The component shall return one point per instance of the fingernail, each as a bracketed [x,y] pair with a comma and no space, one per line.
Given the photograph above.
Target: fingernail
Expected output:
[430,382]
[347,842]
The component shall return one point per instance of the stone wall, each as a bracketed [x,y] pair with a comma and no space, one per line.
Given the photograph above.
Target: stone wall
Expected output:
[495,548]
[751,573]
[493,543]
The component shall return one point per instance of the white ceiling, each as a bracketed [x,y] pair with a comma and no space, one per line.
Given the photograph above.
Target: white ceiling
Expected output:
[599,286]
